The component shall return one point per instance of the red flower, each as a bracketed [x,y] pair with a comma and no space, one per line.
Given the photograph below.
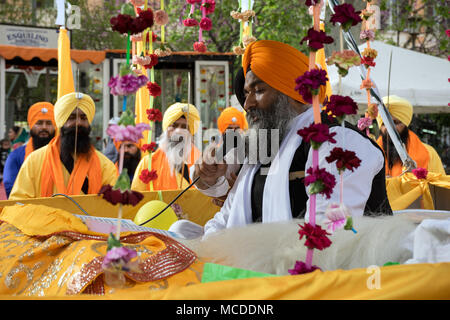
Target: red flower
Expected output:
[199,46]
[193,1]
[190,22]
[309,83]
[316,134]
[339,106]
[154,89]
[115,196]
[345,159]
[147,176]
[154,114]
[153,61]
[316,237]
[210,6]
[316,39]
[420,173]
[151,146]
[301,268]
[346,15]
[205,24]
[146,18]
[368,61]
[321,181]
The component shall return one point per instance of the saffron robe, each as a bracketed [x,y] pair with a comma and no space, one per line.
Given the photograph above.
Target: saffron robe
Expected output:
[28,181]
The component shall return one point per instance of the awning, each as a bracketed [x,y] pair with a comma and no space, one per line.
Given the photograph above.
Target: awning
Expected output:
[44,54]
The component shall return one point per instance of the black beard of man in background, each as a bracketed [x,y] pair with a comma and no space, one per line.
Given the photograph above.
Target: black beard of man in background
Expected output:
[391,153]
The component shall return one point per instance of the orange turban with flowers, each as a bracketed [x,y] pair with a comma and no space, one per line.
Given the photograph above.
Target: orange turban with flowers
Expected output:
[278,64]
[231,116]
[40,111]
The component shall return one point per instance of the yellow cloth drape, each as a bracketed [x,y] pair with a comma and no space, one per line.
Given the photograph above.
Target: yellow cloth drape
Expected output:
[28,181]
[65,76]
[405,189]
[53,250]
[142,102]
[320,59]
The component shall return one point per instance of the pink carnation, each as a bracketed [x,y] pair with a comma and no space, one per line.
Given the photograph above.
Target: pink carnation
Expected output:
[199,46]
[128,133]
[206,24]
[161,17]
[420,173]
[190,22]
[210,6]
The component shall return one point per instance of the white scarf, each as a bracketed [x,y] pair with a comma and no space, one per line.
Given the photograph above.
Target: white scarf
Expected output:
[276,199]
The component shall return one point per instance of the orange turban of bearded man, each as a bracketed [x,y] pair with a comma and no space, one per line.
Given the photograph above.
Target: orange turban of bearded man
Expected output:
[40,111]
[278,64]
[231,116]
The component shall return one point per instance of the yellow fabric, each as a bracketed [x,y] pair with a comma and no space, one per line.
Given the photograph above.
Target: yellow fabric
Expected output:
[142,102]
[231,116]
[434,162]
[166,180]
[198,207]
[278,64]
[65,105]
[28,181]
[50,265]
[399,108]
[405,189]
[176,111]
[65,76]
[321,60]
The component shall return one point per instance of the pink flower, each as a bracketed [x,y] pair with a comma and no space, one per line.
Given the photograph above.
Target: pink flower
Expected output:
[210,6]
[336,216]
[316,237]
[321,182]
[190,22]
[199,46]
[161,17]
[193,1]
[301,268]
[420,173]
[364,123]
[367,35]
[137,3]
[345,159]
[128,133]
[339,106]
[127,84]
[206,24]
[316,134]
[118,258]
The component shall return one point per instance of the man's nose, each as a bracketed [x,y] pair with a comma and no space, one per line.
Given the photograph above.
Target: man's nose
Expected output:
[250,102]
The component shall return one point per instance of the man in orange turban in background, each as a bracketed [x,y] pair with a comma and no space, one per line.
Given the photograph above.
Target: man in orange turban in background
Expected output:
[69,164]
[270,186]
[42,130]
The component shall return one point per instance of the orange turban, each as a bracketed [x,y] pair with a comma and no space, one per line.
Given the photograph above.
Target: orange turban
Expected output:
[40,111]
[278,64]
[231,116]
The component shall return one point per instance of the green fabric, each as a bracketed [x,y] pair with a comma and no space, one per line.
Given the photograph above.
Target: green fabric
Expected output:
[216,272]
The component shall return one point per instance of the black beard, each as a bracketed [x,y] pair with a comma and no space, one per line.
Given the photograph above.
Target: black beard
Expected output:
[389,148]
[39,142]
[68,144]
[130,162]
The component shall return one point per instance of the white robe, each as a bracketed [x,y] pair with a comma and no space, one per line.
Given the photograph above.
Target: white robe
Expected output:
[237,210]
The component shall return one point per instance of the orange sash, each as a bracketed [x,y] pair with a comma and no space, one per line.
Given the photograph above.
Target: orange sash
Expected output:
[85,166]
[29,148]
[165,180]
[416,150]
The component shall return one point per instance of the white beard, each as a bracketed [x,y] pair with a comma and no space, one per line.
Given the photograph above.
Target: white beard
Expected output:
[177,152]
[274,247]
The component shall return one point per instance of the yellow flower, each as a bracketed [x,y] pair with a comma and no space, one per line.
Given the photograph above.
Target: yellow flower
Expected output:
[369,52]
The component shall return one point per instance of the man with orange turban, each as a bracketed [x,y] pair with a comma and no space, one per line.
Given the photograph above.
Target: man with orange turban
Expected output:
[42,130]
[69,164]
[270,186]
[423,154]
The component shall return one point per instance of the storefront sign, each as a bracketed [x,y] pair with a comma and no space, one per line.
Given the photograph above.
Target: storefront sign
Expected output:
[28,36]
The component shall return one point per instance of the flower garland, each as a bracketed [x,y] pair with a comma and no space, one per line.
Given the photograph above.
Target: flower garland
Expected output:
[318,179]
[207,7]
[368,60]
[244,17]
